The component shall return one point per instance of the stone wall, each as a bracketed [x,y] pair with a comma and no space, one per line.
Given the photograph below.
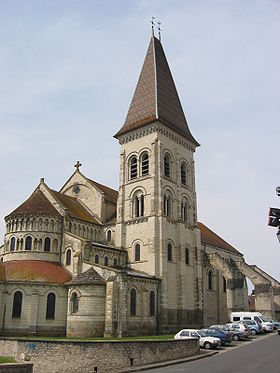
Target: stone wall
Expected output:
[60,357]
[16,368]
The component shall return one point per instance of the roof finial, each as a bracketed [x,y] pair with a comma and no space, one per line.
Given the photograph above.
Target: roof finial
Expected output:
[78,165]
[152,22]
[159,31]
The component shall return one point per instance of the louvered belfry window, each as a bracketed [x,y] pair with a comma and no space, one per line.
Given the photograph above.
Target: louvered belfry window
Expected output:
[133,168]
[145,164]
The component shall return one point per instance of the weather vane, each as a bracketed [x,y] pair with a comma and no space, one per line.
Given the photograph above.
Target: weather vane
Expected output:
[152,22]
[78,165]
[159,31]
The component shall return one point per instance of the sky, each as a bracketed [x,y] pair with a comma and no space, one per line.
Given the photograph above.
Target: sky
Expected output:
[68,72]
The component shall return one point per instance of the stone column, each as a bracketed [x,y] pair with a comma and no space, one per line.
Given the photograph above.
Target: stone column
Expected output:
[109,316]
[264,300]
[33,317]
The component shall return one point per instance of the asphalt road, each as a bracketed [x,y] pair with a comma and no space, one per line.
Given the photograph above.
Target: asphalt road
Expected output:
[259,356]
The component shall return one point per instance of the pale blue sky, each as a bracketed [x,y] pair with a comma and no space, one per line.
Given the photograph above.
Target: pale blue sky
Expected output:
[68,72]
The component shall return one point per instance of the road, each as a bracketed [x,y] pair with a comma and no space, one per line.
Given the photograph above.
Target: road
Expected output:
[259,356]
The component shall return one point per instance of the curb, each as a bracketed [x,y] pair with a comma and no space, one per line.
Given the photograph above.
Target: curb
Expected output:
[201,355]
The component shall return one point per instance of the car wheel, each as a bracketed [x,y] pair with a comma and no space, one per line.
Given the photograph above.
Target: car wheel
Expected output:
[254,332]
[207,345]
[235,337]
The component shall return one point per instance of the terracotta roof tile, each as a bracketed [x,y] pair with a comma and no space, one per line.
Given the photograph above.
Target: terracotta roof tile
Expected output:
[36,204]
[35,271]
[111,195]
[75,209]
[156,97]
[211,238]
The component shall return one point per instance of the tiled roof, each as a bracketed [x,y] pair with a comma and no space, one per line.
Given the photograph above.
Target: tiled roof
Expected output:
[211,238]
[36,204]
[35,271]
[156,97]
[75,209]
[111,195]
[91,276]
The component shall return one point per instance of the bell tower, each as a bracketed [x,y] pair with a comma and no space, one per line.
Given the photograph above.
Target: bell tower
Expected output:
[157,213]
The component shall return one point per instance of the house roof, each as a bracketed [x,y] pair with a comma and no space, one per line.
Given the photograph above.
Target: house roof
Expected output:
[36,204]
[34,271]
[209,237]
[91,276]
[156,97]
[74,208]
[111,195]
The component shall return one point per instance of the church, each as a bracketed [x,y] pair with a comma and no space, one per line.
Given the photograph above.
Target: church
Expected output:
[89,260]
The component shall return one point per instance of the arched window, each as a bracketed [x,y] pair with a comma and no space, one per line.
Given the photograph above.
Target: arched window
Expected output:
[145,164]
[184,211]
[138,207]
[106,261]
[167,165]
[166,205]
[68,257]
[137,252]
[12,244]
[152,303]
[50,306]
[133,168]
[187,256]
[47,244]
[74,303]
[109,235]
[210,280]
[224,285]
[28,243]
[169,252]
[17,304]
[96,259]
[183,173]
[115,262]
[133,302]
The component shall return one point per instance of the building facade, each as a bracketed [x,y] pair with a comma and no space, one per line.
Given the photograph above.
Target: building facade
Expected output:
[92,261]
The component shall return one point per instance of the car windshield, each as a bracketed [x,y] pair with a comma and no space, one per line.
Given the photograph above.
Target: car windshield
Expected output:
[264,319]
[202,333]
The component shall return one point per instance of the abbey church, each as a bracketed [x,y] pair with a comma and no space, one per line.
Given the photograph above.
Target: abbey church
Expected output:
[89,260]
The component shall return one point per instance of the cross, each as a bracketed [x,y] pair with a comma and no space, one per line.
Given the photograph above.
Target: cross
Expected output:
[77,165]
[152,22]
[159,30]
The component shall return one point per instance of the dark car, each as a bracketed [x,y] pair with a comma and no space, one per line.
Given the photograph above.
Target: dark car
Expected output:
[224,336]
[278,331]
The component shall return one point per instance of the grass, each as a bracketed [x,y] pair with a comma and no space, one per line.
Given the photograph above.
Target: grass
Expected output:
[93,339]
[6,359]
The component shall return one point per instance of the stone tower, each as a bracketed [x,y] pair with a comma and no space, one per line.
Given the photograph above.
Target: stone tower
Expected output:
[157,211]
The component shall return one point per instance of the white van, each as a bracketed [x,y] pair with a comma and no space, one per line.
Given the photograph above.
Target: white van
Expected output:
[267,326]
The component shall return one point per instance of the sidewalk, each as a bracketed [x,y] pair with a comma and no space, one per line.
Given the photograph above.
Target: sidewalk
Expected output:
[202,354]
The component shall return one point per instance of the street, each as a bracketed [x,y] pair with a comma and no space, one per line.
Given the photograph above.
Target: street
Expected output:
[259,356]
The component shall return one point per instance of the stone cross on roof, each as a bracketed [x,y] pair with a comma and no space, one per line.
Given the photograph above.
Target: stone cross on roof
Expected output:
[78,165]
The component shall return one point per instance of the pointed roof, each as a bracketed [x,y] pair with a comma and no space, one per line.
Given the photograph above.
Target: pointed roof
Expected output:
[211,238]
[36,204]
[156,97]
[110,195]
[90,276]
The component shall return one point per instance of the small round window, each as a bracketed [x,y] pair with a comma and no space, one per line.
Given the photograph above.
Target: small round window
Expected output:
[76,189]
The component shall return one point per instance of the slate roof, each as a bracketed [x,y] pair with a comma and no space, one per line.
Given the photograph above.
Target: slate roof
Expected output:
[34,271]
[156,97]
[36,204]
[211,238]
[111,195]
[91,276]
[74,208]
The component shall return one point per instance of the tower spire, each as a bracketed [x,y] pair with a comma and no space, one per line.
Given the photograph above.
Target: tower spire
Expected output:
[153,23]
[159,30]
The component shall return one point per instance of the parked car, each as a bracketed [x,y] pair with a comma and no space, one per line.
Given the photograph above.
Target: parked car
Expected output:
[224,336]
[278,331]
[275,323]
[239,331]
[205,341]
[253,326]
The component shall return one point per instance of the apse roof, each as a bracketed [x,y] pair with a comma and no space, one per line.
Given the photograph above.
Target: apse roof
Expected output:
[91,276]
[36,204]
[211,238]
[156,97]
[34,271]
